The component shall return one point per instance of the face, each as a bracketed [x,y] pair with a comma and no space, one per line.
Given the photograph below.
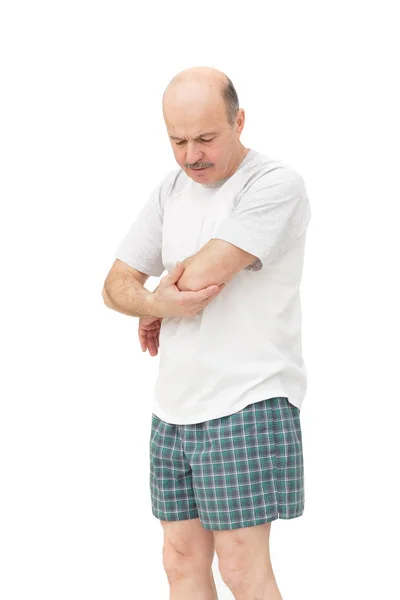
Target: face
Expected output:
[205,146]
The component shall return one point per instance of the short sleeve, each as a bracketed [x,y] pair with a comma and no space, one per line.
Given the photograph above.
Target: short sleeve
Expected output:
[141,248]
[269,216]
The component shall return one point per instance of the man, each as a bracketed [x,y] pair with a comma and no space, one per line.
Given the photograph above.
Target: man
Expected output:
[226,448]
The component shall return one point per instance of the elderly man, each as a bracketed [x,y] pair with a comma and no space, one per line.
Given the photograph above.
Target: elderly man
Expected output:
[226,455]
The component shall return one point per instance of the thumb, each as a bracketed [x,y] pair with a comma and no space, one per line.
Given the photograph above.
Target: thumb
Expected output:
[176,272]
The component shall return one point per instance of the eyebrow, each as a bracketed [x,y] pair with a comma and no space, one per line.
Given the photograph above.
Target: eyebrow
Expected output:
[174,137]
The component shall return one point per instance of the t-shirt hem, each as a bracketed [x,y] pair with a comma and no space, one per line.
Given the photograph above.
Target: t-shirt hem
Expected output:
[139,267]
[228,411]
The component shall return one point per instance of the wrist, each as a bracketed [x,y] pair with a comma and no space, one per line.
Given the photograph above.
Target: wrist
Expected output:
[154,308]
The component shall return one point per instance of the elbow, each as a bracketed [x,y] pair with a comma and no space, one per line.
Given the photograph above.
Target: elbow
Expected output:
[106,297]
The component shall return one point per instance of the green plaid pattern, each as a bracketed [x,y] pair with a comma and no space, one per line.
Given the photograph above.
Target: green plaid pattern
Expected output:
[235,471]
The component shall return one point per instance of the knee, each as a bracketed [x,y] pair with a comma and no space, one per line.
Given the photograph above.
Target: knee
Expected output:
[183,564]
[240,573]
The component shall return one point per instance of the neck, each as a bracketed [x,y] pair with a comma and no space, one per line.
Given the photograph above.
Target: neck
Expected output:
[243,152]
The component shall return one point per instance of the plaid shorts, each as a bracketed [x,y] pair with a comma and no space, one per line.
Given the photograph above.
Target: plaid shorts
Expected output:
[235,471]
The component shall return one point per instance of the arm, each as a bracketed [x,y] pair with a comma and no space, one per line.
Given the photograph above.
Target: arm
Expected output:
[124,292]
[215,263]
[266,221]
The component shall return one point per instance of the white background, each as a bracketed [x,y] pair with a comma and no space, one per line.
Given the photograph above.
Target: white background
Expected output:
[83,142]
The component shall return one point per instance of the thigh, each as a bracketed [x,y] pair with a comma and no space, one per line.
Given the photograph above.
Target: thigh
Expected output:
[171,485]
[239,546]
[247,467]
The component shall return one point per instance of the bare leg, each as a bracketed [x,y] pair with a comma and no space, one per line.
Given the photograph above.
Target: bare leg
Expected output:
[271,589]
[245,564]
[188,555]
[198,586]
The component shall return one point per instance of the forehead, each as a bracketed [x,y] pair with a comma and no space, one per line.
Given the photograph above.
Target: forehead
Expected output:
[192,117]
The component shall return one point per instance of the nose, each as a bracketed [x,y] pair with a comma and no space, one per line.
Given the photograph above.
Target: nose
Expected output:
[193,155]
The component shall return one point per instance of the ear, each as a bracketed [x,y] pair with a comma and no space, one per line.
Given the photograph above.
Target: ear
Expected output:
[240,120]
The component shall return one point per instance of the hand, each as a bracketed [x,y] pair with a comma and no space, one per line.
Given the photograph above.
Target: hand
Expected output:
[171,302]
[149,334]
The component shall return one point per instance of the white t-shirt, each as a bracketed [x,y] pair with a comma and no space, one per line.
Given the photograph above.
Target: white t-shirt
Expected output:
[245,346]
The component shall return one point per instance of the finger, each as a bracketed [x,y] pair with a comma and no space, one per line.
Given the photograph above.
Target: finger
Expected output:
[140,338]
[219,288]
[214,295]
[209,300]
[209,291]
[199,295]
[156,341]
[151,344]
[143,340]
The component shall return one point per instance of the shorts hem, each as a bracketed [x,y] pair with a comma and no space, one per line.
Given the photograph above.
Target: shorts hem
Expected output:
[287,517]
[237,525]
[180,517]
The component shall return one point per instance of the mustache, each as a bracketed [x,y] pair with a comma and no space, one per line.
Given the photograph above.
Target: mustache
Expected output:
[198,165]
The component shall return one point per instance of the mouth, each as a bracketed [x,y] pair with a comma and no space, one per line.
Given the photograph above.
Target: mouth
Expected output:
[199,168]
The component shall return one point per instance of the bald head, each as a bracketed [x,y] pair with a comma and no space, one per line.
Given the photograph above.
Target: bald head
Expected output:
[202,75]
[201,86]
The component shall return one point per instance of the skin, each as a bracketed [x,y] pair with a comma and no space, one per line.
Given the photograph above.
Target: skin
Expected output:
[192,105]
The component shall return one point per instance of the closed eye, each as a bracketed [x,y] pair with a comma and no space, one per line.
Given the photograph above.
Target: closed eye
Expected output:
[184,142]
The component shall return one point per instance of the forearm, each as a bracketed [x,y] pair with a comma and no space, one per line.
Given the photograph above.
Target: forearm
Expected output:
[211,265]
[127,295]
[182,283]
